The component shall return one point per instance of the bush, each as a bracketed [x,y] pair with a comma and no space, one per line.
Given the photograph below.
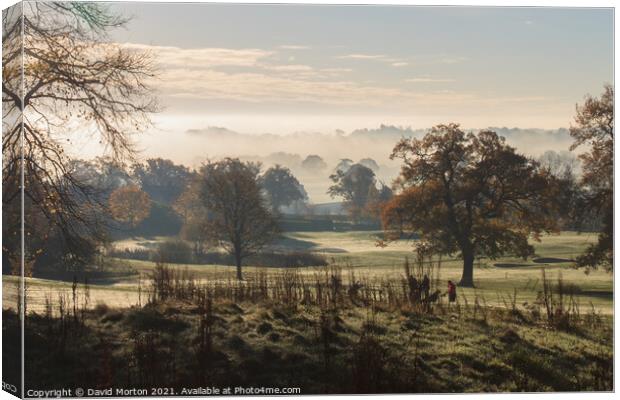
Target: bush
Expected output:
[132,254]
[175,251]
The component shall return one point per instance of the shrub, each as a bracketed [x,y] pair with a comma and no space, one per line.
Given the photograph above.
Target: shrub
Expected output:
[132,254]
[175,251]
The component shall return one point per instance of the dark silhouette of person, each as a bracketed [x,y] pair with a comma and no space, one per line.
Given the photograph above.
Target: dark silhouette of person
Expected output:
[414,289]
[425,286]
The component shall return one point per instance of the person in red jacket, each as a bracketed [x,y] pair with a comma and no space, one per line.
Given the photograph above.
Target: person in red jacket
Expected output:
[451,292]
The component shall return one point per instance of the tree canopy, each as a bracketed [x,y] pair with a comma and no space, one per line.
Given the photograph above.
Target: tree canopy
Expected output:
[469,193]
[281,187]
[129,204]
[369,163]
[377,199]
[241,221]
[194,214]
[355,185]
[594,128]
[313,162]
[162,179]
[343,165]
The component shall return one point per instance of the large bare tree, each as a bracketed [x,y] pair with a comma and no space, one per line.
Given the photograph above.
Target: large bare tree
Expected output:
[74,84]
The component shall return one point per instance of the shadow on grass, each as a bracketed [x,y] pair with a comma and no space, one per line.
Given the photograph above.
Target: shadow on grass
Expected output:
[511,265]
[551,260]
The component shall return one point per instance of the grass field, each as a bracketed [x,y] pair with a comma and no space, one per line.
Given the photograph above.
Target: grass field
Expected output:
[258,333]
[496,280]
[340,349]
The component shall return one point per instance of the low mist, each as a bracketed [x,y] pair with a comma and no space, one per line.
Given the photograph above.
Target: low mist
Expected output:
[195,146]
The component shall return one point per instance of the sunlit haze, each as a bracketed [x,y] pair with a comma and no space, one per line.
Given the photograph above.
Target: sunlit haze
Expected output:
[349,81]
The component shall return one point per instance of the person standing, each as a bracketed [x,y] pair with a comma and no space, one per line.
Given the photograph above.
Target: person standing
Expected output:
[414,290]
[425,287]
[451,292]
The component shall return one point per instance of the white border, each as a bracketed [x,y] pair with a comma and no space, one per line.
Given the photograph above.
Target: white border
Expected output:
[483,3]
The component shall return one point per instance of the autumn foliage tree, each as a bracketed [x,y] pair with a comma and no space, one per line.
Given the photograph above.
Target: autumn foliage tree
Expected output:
[377,199]
[240,219]
[130,205]
[194,214]
[594,128]
[470,194]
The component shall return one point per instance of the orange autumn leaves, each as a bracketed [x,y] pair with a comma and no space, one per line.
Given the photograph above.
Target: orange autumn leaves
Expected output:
[130,205]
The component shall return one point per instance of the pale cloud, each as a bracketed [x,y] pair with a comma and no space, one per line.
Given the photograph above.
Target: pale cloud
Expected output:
[336,70]
[290,68]
[428,79]
[293,47]
[394,62]
[200,58]
[196,73]
[528,22]
[209,74]
[362,57]
[403,62]
[259,87]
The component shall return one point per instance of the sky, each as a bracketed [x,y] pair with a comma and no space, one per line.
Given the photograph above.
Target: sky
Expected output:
[298,68]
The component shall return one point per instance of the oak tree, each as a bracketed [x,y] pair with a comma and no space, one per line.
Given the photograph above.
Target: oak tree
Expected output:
[470,194]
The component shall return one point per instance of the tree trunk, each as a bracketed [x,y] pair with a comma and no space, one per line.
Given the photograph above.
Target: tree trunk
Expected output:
[238,261]
[467,279]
